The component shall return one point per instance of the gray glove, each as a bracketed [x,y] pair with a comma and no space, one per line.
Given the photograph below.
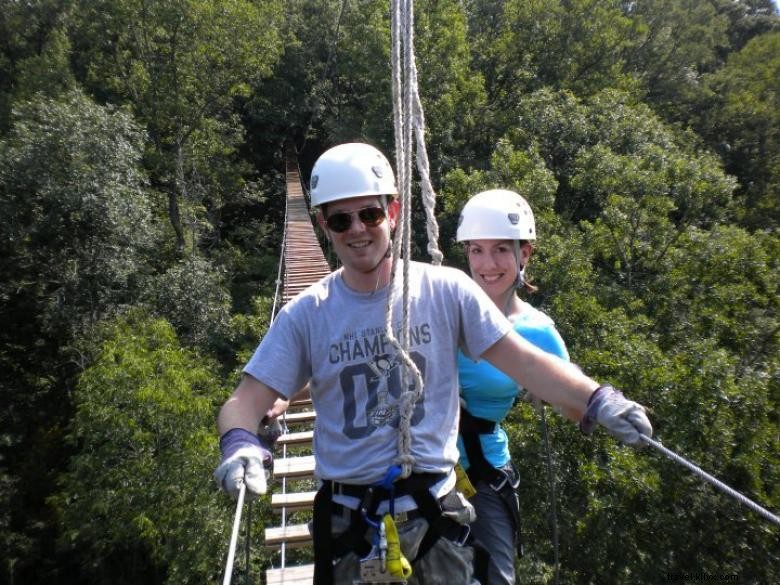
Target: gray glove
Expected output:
[244,458]
[622,418]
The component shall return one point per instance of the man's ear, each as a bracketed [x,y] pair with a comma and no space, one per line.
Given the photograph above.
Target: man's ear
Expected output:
[393,209]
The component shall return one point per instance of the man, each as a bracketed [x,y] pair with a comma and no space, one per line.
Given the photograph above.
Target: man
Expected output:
[333,337]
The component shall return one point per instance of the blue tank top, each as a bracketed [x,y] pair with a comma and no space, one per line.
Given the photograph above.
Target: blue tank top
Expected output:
[490,394]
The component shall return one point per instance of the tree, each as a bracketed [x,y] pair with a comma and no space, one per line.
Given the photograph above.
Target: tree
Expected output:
[193,297]
[679,42]
[76,231]
[77,212]
[181,65]
[744,124]
[137,503]
[451,90]
[34,52]
[578,45]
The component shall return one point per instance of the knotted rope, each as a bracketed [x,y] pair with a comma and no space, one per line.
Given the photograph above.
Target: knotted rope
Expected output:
[408,123]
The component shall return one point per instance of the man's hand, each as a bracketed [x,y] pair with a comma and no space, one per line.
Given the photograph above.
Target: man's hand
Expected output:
[244,458]
[622,418]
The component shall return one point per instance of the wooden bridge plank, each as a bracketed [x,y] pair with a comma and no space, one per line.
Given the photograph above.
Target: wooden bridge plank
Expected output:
[294,467]
[305,416]
[301,575]
[300,438]
[292,535]
[292,501]
[304,264]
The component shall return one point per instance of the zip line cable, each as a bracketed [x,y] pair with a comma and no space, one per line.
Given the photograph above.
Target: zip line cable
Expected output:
[234,536]
[553,496]
[713,480]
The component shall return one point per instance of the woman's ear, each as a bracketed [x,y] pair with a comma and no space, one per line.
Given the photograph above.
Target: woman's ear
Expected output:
[526,250]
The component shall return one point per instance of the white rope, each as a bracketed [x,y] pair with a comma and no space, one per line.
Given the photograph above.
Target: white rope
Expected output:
[714,481]
[234,536]
[408,125]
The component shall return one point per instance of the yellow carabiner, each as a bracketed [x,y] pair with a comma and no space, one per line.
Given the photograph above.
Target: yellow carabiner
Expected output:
[397,563]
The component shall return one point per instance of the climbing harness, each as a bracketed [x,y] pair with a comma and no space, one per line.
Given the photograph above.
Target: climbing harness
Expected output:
[385,562]
[714,481]
[504,482]
[416,485]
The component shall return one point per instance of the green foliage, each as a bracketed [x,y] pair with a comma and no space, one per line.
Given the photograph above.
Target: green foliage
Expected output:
[453,95]
[679,41]
[75,232]
[76,211]
[34,52]
[644,134]
[140,485]
[191,295]
[577,45]
[627,147]
[181,65]
[745,123]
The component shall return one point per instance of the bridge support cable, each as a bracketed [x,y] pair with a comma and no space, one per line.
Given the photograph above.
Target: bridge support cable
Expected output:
[303,263]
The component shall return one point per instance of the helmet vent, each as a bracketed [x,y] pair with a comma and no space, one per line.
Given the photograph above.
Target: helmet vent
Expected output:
[314,180]
[377,171]
[514,218]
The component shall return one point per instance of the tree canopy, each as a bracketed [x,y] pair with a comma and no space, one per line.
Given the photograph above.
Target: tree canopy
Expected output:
[142,154]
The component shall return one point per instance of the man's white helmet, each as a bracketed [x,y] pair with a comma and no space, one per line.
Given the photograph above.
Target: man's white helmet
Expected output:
[497,214]
[349,170]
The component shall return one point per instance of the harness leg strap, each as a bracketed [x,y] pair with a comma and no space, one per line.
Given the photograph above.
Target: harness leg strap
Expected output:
[323,551]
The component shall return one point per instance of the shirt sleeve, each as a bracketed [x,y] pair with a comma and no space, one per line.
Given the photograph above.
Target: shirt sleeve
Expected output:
[284,343]
[541,332]
[482,323]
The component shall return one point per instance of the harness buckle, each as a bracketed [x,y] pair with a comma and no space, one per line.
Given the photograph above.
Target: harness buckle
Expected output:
[367,503]
[501,484]
[506,476]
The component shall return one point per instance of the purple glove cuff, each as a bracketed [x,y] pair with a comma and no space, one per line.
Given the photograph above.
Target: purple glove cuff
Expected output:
[590,419]
[237,438]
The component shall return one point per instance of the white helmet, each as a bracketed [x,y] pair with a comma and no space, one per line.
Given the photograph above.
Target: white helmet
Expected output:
[496,214]
[351,170]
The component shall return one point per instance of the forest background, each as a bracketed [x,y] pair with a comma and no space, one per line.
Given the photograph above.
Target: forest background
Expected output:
[142,149]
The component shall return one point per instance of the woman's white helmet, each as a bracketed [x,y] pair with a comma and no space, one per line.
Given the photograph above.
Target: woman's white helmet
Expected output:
[497,214]
[349,170]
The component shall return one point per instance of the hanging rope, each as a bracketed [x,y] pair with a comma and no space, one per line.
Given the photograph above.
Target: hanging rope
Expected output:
[408,124]
[714,481]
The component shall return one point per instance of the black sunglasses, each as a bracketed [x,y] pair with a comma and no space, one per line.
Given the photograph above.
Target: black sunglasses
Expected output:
[370,216]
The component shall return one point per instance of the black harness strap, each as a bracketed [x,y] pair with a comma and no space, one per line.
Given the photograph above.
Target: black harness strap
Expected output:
[323,553]
[437,524]
[471,427]
[481,470]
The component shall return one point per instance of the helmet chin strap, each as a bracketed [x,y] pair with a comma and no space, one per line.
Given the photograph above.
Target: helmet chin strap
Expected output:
[386,255]
[519,279]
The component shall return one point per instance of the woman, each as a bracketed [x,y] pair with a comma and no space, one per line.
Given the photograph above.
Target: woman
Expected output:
[497,228]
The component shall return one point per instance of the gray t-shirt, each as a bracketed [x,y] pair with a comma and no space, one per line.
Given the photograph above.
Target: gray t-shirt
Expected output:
[335,337]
